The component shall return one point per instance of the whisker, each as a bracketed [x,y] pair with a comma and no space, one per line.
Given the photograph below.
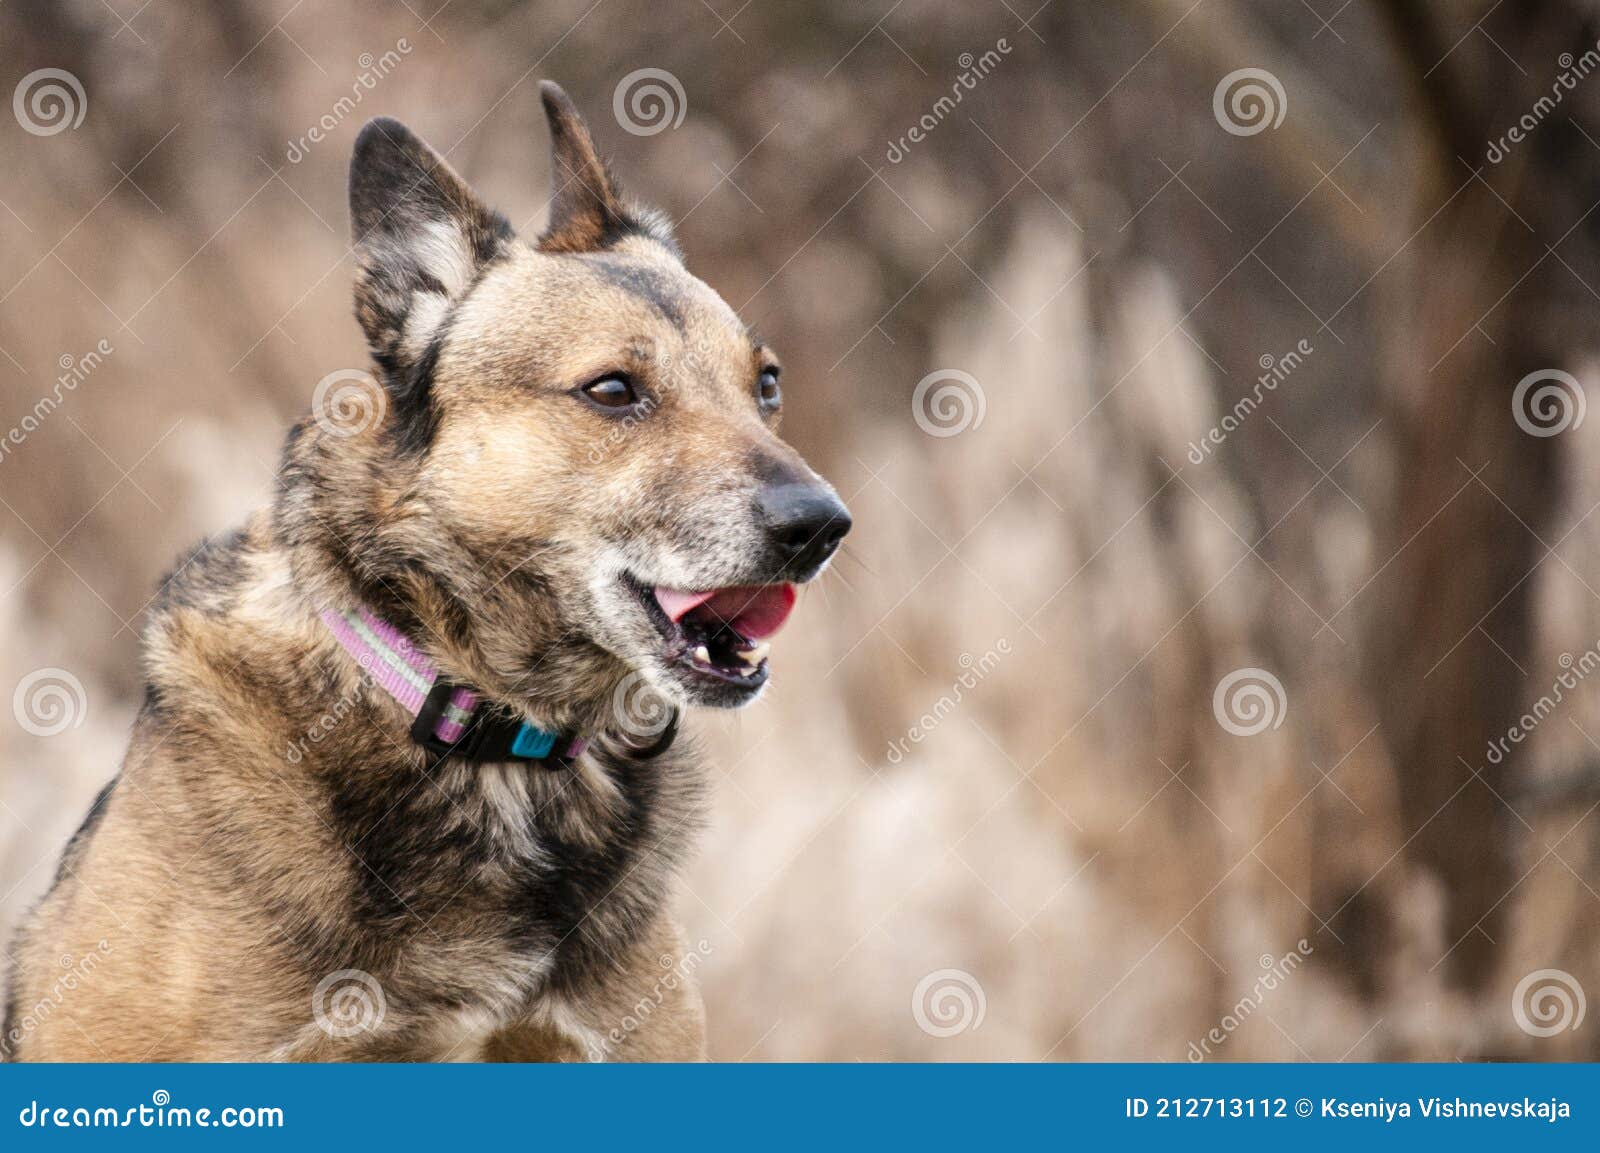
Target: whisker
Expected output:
[850,554]
[842,577]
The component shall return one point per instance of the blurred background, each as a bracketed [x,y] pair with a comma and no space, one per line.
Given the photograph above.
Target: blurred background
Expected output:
[1205,674]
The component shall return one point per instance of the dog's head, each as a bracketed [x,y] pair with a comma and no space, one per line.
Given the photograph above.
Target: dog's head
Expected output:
[585,435]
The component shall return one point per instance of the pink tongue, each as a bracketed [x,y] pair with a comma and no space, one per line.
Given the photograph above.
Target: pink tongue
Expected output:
[754,612]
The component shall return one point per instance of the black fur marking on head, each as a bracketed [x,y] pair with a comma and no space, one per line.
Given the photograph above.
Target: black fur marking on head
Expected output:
[646,283]
[416,417]
[645,224]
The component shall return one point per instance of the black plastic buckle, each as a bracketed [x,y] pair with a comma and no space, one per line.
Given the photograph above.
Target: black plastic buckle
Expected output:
[488,734]
[433,706]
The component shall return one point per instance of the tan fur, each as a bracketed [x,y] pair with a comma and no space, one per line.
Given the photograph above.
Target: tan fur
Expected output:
[273,826]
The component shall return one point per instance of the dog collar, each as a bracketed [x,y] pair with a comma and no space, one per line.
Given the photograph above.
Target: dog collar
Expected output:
[450,720]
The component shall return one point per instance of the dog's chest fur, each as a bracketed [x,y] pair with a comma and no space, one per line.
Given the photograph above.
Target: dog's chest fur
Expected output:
[476,895]
[546,870]
[495,887]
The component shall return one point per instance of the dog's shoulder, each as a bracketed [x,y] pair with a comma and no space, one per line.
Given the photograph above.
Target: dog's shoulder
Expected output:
[227,619]
[209,576]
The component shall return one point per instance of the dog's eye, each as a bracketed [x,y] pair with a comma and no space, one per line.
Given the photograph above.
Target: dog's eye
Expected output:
[767,390]
[611,392]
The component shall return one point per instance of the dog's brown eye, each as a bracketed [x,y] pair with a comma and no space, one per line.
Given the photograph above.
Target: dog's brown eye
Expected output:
[767,390]
[611,392]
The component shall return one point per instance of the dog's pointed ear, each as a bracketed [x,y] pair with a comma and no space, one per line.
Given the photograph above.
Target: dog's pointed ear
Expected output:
[421,237]
[587,210]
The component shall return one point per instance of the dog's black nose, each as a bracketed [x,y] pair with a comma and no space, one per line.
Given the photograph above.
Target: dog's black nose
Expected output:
[804,523]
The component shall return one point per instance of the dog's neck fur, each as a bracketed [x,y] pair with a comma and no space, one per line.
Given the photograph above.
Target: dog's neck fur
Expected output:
[549,875]
[355,532]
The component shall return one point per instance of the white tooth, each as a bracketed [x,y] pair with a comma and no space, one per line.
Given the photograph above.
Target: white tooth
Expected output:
[755,656]
[702,654]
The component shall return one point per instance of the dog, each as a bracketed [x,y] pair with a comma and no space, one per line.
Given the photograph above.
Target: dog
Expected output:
[405,783]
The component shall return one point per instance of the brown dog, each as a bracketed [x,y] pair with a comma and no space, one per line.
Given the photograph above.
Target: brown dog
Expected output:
[404,784]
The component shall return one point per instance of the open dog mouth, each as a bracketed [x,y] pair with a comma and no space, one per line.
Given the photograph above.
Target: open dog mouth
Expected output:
[718,634]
